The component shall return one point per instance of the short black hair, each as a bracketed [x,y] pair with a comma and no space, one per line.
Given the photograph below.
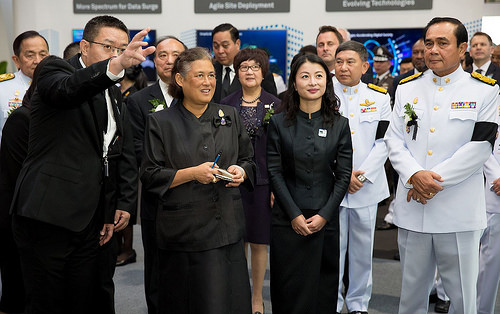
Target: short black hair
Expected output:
[16,46]
[355,46]
[308,49]
[163,38]
[71,50]
[93,26]
[328,28]
[406,60]
[460,30]
[255,54]
[482,34]
[235,34]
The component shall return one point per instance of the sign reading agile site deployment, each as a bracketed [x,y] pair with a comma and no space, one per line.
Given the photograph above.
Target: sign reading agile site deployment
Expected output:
[244,6]
[117,6]
[377,5]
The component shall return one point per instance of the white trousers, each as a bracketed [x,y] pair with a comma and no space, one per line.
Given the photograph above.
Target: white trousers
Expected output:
[457,260]
[489,266]
[357,227]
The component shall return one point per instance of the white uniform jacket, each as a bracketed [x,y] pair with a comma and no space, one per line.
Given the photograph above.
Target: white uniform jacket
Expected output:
[448,109]
[492,172]
[366,108]
[11,95]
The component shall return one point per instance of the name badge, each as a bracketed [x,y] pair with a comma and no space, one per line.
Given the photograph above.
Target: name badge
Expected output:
[322,133]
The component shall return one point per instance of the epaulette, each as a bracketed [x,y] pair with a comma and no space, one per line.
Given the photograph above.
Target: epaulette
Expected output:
[377,88]
[7,76]
[410,78]
[483,78]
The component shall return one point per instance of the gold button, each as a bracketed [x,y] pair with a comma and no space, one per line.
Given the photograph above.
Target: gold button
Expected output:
[436,108]
[345,89]
[352,132]
[351,114]
[356,90]
[433,130]
[429,152]
[353,149]
[434,80]
[350,97]
[440,88]
[447,80]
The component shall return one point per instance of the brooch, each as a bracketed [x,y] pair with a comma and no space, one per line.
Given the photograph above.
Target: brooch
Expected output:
[222,120]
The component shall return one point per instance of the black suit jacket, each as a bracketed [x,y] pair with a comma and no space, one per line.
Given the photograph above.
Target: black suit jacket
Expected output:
[493,72]
[62,181]
[259,144]
[140,108]
[309,165]
[267,83]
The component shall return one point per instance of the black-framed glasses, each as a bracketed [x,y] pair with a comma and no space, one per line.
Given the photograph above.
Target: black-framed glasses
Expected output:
[108,48]
[244,68]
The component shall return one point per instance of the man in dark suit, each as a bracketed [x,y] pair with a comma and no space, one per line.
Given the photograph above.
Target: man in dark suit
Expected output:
[151,99]
[417,58]
[226,44]
[77,183]
[481,48]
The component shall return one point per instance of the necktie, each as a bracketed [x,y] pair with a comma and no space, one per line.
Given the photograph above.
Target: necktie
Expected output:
[376,80]
[225,83]
[480,71]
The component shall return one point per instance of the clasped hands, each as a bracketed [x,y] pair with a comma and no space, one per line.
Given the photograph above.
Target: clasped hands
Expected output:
[425,186]
[205,174]
[305,227]
[121,220]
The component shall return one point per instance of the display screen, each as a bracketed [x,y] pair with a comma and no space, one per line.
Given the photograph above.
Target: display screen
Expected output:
[398,41]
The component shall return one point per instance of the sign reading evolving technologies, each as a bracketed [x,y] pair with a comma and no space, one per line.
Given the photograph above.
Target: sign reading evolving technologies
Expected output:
[117,6]
[244,6]
[377,5]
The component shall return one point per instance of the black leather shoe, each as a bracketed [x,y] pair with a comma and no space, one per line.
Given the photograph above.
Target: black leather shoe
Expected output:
[386,226]
[397,257]
[433,298]
[442,306]
[358,312]
[129,260]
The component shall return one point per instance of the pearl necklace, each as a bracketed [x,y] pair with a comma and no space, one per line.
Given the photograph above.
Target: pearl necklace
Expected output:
[251,101]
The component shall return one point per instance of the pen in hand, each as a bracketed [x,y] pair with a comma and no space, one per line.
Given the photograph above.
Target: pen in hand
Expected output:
[216,159]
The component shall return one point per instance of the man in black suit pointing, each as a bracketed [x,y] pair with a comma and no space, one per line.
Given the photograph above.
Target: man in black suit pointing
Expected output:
[77,183]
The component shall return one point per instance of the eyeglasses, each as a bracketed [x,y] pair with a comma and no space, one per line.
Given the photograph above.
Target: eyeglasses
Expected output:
[108,48]
[244,68]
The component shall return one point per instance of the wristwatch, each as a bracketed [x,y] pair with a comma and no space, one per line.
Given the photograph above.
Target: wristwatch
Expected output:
[361,178]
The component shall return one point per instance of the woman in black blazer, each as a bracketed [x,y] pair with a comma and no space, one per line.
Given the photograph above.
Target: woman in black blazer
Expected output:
[255,106]
[309,156]
[200,221]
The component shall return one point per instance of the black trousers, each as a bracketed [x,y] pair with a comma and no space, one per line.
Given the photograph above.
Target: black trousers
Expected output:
[210,282]
[13,299]
[304,271]
[151,270]
[60,267]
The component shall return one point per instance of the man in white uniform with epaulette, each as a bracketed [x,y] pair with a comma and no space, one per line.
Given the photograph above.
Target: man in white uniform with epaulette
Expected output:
[442,130]
[29,49]
[368,109]
[489,254]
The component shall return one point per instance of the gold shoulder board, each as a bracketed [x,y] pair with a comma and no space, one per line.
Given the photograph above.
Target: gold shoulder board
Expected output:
[410,78]
[483,78]
[7,76]
[377,88]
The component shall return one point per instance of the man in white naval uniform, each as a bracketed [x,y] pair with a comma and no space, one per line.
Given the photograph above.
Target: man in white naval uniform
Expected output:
[442,130]
[489,254]
[29,49]
[368,109]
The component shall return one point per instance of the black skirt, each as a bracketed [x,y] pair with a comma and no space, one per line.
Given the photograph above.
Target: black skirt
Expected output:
[210,282]
[304,270]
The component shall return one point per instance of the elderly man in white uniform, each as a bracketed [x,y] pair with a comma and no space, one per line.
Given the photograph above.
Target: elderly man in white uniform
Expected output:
[368,109]
[29,49]
[489,254]
[442,130]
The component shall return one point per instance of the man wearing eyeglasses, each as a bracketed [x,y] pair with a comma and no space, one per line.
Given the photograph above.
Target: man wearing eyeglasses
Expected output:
[77,184]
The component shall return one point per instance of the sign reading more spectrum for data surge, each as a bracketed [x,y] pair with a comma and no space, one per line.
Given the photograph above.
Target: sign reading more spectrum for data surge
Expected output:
[377,5]
[117,6]
[244,6]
